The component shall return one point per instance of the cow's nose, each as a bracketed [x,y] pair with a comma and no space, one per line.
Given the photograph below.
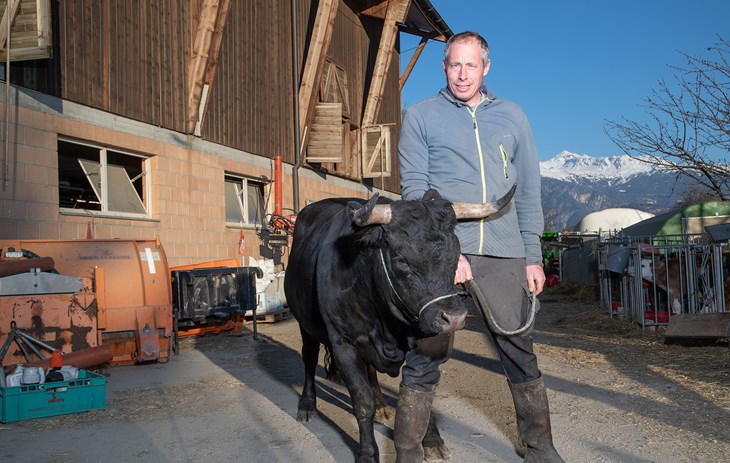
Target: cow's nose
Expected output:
[453,321]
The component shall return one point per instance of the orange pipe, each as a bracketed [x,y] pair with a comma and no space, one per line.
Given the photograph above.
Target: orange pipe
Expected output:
[277,185]
[84,358]
[16,267]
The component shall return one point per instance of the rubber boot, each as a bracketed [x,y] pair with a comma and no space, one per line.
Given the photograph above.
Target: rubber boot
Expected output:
[533,421]
[411,421]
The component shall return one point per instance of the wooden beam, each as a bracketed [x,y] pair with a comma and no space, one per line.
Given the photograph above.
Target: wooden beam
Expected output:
[204,56]
[215,48]
[699,325]
[375,9]
[396,13]
[4,23]
[412,62]
[319,43]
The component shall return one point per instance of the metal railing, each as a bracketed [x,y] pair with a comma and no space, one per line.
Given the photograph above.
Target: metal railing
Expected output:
[650,279]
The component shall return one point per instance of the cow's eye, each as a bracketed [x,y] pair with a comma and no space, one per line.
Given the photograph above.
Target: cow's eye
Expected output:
[400,263]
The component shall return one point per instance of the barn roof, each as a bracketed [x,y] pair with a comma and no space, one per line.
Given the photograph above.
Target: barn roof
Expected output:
[424,21]
[671,223]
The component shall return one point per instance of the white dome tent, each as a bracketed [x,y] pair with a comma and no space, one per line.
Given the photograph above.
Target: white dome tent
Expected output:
[611,220]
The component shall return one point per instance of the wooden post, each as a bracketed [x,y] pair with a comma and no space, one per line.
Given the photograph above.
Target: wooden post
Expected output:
[396,13]
[204,55]
[412,62]
[319,43]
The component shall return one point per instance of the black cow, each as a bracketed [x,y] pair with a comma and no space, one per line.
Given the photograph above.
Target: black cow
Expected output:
[365,278]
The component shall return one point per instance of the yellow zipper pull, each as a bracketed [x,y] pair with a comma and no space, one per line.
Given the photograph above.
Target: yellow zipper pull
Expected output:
[504,160]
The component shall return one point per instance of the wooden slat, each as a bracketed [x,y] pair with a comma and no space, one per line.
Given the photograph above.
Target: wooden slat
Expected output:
[14,7]
[318,45]
[325,137]
[30,33]
[376,159]
[711,325]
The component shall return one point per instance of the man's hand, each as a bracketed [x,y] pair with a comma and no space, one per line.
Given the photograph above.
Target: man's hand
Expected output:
[463,271]
[535,278]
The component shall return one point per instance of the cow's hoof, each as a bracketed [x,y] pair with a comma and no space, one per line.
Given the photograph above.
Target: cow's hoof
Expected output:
[436,454]
[307,415]
[383,414]
[367,459]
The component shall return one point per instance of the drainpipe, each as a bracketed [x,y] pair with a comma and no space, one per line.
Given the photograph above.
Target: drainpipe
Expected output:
[6,161]
[277,186]
[295,93]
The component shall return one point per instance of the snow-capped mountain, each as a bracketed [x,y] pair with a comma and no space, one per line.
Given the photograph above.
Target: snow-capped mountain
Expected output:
[574,167]
[574,185]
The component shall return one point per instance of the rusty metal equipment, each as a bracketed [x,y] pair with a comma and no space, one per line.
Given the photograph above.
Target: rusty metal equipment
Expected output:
[212,299]
[113,293]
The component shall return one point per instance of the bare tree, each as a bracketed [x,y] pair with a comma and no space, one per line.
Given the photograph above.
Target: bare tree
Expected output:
[689,127]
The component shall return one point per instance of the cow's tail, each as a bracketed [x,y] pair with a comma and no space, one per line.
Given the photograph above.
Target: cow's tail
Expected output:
[333,374]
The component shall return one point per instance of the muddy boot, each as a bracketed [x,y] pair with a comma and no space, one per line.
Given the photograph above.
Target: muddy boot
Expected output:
[411,421]
[533,421]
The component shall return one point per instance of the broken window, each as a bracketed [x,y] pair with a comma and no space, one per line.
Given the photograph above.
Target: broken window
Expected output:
[244,201]
[94,178]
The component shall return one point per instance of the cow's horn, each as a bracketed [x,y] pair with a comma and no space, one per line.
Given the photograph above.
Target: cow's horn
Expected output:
[380,215]
[480,211]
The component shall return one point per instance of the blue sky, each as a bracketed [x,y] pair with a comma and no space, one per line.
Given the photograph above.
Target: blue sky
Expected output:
[573,64]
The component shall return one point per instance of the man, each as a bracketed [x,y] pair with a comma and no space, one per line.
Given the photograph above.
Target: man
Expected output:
[472,147]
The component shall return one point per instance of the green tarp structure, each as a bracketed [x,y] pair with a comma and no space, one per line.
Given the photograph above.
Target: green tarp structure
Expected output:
[695,218]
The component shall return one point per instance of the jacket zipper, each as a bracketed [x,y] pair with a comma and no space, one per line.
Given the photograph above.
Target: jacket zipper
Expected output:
[473,113]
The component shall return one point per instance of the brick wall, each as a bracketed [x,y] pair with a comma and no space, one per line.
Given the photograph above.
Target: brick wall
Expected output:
[187,183]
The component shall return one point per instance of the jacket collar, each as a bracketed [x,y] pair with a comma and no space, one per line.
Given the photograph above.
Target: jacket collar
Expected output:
[487,95]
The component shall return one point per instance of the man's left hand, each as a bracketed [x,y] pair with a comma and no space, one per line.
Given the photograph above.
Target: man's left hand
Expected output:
[535,278]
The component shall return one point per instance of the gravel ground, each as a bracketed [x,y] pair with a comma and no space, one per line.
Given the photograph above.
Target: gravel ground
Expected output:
[616,396]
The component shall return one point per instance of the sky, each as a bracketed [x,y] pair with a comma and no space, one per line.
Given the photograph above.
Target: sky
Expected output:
[574,65]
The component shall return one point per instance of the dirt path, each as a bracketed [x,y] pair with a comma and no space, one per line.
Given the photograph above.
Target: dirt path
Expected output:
[616,396]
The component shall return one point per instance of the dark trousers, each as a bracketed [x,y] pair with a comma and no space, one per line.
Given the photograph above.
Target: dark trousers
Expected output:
[504,285]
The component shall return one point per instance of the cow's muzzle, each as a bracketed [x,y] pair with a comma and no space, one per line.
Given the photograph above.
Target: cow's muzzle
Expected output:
[449,321]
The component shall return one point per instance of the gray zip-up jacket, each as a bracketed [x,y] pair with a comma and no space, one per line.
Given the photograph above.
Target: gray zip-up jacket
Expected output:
[476,155]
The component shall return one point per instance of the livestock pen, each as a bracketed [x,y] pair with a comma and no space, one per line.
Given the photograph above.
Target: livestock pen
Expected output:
[650,279]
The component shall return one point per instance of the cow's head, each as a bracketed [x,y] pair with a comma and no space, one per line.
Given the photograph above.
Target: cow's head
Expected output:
[416,253]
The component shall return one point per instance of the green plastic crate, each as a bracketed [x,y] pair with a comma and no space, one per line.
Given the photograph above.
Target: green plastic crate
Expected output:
[58,398]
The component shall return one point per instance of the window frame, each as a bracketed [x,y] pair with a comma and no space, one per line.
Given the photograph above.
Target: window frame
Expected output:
[243,200]
[108,173]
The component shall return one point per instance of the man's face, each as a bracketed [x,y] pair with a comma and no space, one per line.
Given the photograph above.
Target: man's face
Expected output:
[465,71]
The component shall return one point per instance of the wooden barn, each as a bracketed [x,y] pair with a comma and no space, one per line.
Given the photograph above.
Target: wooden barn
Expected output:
[165,119]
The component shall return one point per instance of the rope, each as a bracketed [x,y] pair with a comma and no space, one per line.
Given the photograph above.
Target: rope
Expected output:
[403,304]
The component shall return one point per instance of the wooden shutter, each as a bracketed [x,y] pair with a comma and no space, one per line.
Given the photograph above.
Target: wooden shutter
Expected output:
[333,87]
[30,32]
[375,142]
[325,137]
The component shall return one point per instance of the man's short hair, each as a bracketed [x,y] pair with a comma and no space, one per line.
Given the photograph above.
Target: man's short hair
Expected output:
[466,36]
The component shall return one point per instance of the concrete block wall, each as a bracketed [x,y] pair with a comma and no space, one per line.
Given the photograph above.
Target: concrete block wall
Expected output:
[187,183]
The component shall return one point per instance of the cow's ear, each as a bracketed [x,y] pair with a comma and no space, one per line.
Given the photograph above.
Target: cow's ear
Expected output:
[431,195]
[359,212]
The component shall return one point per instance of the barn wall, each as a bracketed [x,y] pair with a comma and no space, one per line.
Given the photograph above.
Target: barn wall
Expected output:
[117,79]
[186,186]
[251,103]
[125,57]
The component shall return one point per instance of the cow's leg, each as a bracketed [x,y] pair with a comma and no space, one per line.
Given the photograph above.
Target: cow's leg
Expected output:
[355,374]
[382,413]
[434,447]
[308,400]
